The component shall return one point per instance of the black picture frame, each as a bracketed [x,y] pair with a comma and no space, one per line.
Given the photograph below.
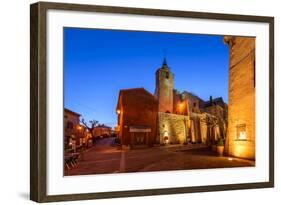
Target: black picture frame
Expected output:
[38,103]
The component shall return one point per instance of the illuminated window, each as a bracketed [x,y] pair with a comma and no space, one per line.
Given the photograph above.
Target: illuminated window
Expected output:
[241,132]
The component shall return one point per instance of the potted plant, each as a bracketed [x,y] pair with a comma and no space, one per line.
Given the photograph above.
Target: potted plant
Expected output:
[220,147]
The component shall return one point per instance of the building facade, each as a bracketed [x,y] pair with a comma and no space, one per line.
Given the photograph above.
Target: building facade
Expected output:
[241,107]
[168,116]
[192,119]
[72,129]
[102,131]
[75,134]
[137,117]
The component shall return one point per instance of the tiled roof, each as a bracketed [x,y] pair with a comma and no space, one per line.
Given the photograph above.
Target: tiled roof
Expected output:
[72,112]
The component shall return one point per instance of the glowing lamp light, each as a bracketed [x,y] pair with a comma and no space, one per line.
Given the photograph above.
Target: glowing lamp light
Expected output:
[230,159]
[118,111]
[166,138]
[240,151]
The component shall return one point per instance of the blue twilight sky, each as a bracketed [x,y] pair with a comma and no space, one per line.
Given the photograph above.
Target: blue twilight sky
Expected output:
[98,63]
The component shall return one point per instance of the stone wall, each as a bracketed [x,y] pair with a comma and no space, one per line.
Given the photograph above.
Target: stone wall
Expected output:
[176,127]
[193,103]
[241,105]
[205,128]
[196,128]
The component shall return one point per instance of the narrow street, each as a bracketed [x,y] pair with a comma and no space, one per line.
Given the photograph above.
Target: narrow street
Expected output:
[105,158]
[99,159]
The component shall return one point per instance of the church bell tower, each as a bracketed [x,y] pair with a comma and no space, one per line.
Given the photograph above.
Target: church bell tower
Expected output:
[164,88]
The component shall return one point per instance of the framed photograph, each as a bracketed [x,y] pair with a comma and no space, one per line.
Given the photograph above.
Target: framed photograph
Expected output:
[135,102]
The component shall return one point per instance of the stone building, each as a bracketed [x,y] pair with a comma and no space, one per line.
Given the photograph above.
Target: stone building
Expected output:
[241,106]
[102,131]
[192,119]
[72,128]
[137,117]
[164,88]
[75,134]
[168,116]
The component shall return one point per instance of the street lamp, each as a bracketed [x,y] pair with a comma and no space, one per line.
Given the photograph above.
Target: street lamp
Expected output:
[118,111]
[79,127]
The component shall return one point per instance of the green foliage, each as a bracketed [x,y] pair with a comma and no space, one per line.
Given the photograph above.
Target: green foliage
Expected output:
[220,142]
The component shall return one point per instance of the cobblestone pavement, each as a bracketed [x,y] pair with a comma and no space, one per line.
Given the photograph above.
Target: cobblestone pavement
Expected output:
[104,158]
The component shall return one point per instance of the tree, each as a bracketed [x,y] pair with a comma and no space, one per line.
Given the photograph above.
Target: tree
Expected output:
[91,127]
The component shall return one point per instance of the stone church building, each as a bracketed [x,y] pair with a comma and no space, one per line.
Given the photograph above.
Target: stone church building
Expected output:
[168,116]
